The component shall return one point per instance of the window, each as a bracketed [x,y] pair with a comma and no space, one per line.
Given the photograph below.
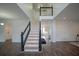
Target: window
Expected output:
[46,11]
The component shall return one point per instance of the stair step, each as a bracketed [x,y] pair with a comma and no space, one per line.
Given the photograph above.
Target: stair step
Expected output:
[33,35]
[33,42]
[31,45]
[35,27]
[31,50]
[28,47]
[34,32]
[32,39]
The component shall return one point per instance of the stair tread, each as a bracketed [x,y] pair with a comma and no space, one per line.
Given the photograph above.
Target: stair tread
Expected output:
[34,35]
[33,38]
[31,45]
[31,50]
[32,42]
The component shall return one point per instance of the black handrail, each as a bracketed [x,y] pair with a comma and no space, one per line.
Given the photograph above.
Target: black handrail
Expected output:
[23,40]
[40,46]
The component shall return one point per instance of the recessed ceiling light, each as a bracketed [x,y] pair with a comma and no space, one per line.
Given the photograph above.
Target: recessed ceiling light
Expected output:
[1,23]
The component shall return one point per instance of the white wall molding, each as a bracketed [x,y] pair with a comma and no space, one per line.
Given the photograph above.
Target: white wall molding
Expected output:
[46,17]
[53,31]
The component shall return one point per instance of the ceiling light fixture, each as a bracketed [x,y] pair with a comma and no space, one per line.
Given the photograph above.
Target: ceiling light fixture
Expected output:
[1,23]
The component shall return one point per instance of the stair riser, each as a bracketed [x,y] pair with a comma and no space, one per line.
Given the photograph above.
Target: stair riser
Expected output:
[33,35]
[31,47]
[31,50]
[32,43]
[33,40]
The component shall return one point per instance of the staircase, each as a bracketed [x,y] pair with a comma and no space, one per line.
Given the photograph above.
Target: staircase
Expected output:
[32,43]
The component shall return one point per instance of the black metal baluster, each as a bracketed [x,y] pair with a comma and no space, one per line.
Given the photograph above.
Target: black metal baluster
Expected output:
[22,45]
[40,47]
[23,40]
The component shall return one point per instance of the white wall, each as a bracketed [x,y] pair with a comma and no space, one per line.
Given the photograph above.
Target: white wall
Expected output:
[66,24]
[27,8]
[58,7]
[2,34]
[15,20]
[17,27]
[66,30]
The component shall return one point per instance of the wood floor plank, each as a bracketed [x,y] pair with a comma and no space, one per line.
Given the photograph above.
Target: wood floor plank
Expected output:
[52,49]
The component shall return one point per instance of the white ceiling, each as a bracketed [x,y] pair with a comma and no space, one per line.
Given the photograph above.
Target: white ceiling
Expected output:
[11,11]
[71,12]
[29,8]
[25,10]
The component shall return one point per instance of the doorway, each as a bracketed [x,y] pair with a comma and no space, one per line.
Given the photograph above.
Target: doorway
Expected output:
[46,30]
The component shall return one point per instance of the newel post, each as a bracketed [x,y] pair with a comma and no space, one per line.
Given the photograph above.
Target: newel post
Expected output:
[22,45]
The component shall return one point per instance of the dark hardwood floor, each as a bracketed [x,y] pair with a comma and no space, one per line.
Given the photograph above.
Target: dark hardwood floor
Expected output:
[52,49]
